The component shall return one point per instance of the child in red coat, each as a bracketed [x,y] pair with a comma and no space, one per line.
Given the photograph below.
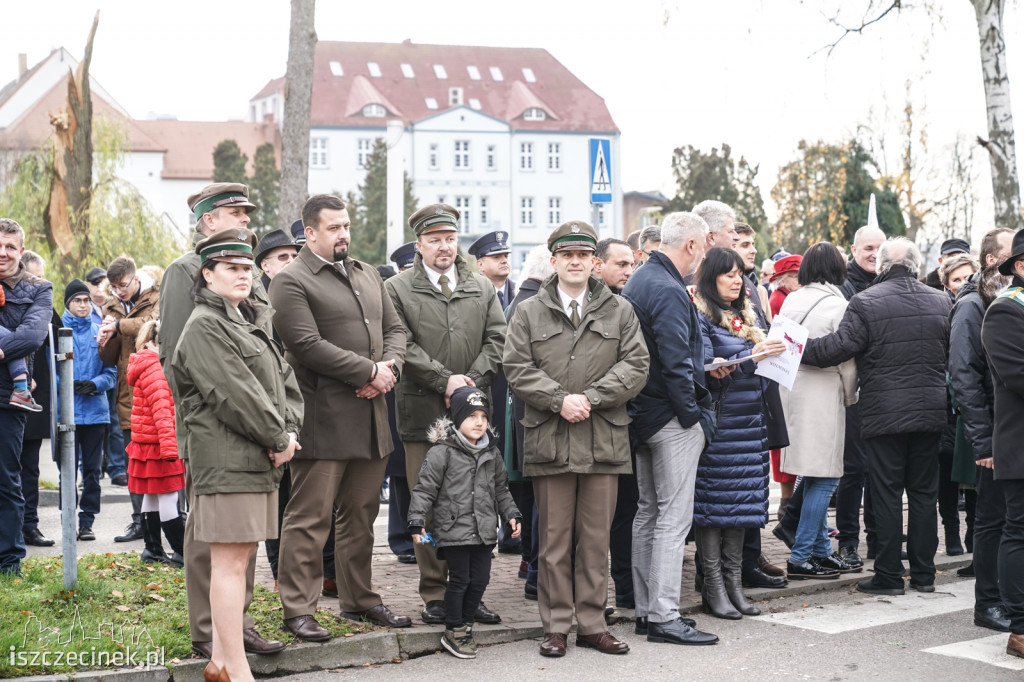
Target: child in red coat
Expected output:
[154,469]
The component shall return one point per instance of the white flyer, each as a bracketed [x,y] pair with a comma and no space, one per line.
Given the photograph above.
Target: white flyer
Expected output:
[783,368]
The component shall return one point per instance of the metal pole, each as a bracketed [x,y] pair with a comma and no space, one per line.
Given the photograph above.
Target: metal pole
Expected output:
[595,218]
[66,434]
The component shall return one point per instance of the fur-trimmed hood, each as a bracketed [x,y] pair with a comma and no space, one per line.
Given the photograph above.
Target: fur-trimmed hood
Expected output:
[725,319]
[443,431]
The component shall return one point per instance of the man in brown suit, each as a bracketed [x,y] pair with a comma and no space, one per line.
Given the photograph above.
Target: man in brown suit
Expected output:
[347,346]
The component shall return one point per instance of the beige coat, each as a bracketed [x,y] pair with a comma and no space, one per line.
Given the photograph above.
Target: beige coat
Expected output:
[816,407]
[606,360]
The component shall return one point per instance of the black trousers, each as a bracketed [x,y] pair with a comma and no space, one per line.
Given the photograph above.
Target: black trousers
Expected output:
[897,463]
[949,495]
[399,538]
[469,571]
[522,493]
[30,482]
[854,485]
[620,541]
[989,519]
[1011,555]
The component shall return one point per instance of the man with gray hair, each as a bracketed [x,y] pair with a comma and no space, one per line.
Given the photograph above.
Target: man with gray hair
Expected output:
[672,420]
[721,220]
[650,240]
[897,329]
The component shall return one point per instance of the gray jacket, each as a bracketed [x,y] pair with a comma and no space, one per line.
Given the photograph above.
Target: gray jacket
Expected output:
[467,490]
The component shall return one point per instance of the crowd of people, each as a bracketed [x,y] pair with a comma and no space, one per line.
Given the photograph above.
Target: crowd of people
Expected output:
[607,404]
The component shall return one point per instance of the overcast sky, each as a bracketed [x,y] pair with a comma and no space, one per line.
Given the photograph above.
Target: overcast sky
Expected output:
[673,72]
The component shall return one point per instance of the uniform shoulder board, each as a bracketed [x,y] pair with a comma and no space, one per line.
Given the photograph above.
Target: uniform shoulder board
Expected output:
[1014,293]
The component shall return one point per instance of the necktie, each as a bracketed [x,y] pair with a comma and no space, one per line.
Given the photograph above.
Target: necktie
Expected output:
[445,289]
[501,299]
[575,316]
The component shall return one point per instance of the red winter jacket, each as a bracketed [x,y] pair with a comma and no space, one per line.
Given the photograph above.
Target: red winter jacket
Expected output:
[152,406]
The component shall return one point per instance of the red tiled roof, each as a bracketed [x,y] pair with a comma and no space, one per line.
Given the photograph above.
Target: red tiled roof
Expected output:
[570,104]
[363,93]
[190,144]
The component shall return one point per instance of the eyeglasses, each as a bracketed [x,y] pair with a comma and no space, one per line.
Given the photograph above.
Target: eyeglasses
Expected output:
[287,256]
[123,286]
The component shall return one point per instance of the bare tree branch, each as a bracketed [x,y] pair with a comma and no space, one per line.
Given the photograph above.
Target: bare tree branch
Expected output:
[894,5]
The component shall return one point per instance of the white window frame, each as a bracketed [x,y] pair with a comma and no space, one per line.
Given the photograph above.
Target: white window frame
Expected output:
[535,114]
[319,153]
[461,155]
[483,212]
[526,157]
[433,162]
[492,157]
[526,211]
[454,97]
[364,147]
[555,157]
[462,203]
[554,211]
[374,110]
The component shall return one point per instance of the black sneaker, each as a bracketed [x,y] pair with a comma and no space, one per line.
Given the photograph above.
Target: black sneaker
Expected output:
[85,533]
[459,643]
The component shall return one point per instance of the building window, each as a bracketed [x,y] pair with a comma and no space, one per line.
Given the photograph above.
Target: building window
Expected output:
[528,75]
[431,103]
[496,74]
[432,161]
[454,97]
[483,211]
[440,72]
[474,103]
[336,69]
[374,111]
[474,73]
[318,152]
[554,211]
[526,211]
[462,154]
[252,112]
[554,156]
[373,68]
[534,114]
[462,203]
[440,199]
[492,157]
[407,71]
[363,149]
[526,156]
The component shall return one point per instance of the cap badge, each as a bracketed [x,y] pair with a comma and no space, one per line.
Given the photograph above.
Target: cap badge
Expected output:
[574,228]
[438,211]
[500,236]
[241,236]
[476,399]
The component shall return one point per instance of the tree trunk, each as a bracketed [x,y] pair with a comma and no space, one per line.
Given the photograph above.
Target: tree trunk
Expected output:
[67,213]
[1001,148]
[298,100]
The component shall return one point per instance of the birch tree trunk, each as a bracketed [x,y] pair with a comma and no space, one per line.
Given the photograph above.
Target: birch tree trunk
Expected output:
[298,100]
[1000,145]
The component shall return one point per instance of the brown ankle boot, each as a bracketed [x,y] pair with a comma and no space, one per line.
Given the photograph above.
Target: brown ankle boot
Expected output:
[1015,646]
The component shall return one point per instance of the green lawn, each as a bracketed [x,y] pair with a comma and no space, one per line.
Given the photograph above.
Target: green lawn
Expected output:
[122,613]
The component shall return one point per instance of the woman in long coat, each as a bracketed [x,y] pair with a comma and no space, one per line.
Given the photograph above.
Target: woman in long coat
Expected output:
[731,490]
[815,412]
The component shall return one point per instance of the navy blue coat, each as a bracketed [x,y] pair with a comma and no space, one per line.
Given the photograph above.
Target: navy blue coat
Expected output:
[26,313]
[677,383]
[731,490]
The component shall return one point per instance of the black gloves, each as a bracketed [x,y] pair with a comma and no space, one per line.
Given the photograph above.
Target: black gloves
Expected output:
[85,388]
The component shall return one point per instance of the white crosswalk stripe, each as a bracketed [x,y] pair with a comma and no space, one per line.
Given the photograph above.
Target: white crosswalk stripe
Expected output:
[991,650]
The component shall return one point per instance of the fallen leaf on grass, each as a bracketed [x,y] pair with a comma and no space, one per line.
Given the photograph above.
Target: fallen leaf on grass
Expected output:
[121,607]
[117,593]
[347,634]
[152,586]
[157,597]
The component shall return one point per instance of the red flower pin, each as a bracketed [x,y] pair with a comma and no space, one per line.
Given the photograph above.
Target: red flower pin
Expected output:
[737,323]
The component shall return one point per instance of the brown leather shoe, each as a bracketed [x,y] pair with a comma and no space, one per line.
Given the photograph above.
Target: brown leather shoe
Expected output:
[604,642]
[330,587]
[769,568]
[203,649]
[254,644]
[306,628]
[553,644]
[379,615]
[1015,646]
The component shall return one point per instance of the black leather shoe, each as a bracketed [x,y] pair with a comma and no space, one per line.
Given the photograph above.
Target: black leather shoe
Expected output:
[678,632]
[306,628]
[407,558]
[834,562]
[203,649]
[35,538]
[784,533]
[641,624]
[810,570]
[121,481]
[922,588]
[850,557]
[993,618]
[434,613]
[486,616]
[869,586]
[254,644]
[85,533]
[132,533]
[530,592]
[967,571]
[382,616]
[755,577]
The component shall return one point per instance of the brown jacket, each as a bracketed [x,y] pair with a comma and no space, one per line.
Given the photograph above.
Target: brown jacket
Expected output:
[122,344]
[605,359]
[334,328]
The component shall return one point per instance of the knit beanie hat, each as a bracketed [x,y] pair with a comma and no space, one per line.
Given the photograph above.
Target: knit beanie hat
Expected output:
[465,401]
[75,287]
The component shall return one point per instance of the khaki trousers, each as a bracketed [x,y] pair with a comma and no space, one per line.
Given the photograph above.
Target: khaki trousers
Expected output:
[197,577]
[579,506]
[318,485]
[433,571]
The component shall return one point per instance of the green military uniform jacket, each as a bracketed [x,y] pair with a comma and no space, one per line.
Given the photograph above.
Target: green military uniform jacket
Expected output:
[461,335]
[605,359]
[237,398]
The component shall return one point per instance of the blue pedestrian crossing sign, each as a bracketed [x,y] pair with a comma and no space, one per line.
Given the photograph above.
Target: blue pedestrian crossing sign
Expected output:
[600,171]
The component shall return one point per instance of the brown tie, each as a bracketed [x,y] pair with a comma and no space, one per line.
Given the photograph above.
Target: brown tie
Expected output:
[445,289]
[575,316]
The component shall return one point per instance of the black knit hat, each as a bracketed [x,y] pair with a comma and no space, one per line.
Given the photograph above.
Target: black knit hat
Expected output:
[465,401]
[75,287]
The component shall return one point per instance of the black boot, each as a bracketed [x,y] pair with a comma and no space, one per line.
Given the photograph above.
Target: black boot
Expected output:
[154,551]
[714,599]
[953,546]
[174,531]
[732,571]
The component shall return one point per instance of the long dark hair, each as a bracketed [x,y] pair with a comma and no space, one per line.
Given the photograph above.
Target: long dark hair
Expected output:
[719,261]
[823,264]
[199,283]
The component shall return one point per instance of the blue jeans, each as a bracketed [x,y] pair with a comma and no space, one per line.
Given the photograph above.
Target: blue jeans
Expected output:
[12,504]
[812,533]
[117,463]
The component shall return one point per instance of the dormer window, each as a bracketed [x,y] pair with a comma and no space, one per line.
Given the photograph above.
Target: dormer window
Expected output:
[374,111]
[496,73]
[529,75]
[534,114]
[474,73]
[336,69]
[440,72]
[374,69]
[407,71]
